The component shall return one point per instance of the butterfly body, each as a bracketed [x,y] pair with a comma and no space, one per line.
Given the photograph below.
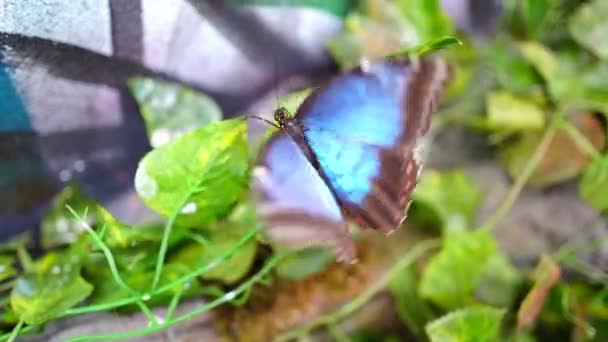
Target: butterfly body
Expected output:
[361,136]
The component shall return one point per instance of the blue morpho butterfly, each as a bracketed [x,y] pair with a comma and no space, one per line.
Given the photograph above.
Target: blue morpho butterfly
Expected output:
[353,150]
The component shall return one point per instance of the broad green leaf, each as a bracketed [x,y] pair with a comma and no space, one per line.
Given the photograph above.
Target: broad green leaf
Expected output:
[48,293]
[474,324]
[59,227]
[534,14]
[412,310]
[220,240]
[546,276]
[589,26]
[580,82]
[593,186]
[304,263]
[451,195]
[199,175]
[170,110]
[543,59]
[507,112]
[7,269]
[428,18]
[499,282]
[451,276]
[106,290]
[511,69]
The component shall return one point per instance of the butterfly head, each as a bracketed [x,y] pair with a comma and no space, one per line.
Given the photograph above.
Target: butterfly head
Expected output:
[282,117]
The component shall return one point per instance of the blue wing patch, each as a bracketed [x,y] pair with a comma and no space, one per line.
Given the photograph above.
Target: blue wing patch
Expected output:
[348,122]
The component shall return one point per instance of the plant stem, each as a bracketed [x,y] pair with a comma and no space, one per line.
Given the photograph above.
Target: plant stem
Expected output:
[405,261]
[491,222]
[15,331]
[164,245]
[579,139]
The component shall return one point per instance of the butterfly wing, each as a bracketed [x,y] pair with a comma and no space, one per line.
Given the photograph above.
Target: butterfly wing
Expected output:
[299,209]
[367,130]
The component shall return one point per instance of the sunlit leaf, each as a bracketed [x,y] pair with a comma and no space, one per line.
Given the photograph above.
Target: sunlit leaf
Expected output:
[58,227]
[474,324]
[7,269]
[451,195]
[200,174]
[594,184]
[304,263]
[414,312]
[170,110]
[46,294]
[292,101]
[543,59]
[546,275]
[429,47]
[507,112]
[451,276]
[589,26]
[219,241]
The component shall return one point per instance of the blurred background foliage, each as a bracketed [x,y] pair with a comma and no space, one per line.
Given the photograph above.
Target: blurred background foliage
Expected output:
[534,96]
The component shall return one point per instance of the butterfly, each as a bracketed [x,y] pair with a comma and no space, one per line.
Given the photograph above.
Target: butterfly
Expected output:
[353,151]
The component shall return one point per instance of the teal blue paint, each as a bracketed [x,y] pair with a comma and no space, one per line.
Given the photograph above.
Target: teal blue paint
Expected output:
[13,115]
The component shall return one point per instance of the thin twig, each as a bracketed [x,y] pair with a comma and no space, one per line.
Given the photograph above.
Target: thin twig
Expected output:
[491,222]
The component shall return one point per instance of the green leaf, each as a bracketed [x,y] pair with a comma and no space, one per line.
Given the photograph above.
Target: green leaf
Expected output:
[429,47]
[451,195]
[593,186]
[428,18]
[170,110]
[499,282]
[507,112]
[452,275]
[220,240]
[121,235]
[304,263]
[580,83]
[199,175]
[7,269]
[475,324]
[589,27]
[512,71]
[412,310]
[106,290]
[292,101]
[58,228]
[48,293]
[534,14]
[543,59]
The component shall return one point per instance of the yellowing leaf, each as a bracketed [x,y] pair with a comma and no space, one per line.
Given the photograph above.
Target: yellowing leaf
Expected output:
[199,175]
[507,112]
[41,296]
[474,324]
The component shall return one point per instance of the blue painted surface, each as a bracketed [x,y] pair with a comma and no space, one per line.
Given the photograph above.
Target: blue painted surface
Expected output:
[13,115]
[295,182]
[349,121]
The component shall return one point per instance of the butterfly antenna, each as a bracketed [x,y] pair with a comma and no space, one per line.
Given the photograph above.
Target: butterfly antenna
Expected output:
[273,124]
